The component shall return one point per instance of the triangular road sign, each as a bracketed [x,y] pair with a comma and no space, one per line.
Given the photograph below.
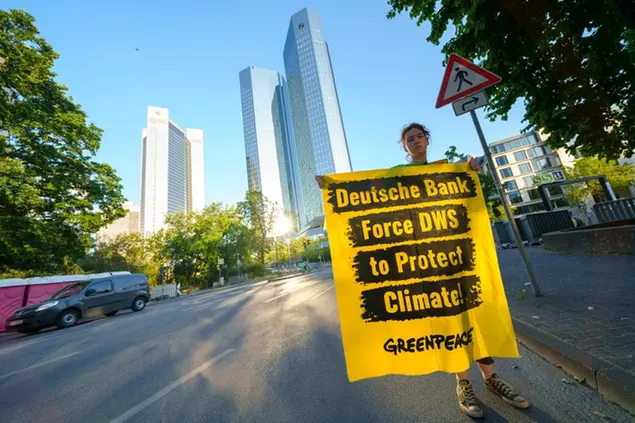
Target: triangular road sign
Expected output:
[463,78]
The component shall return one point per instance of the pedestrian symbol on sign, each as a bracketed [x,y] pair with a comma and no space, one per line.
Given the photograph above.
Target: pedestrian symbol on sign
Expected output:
[461,76]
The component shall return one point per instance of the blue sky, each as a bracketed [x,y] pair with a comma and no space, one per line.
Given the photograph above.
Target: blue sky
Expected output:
[190,53]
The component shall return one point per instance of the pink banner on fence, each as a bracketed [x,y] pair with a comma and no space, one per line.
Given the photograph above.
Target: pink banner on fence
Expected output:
[10,299]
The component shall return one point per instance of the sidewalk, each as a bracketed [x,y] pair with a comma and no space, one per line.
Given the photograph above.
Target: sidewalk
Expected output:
[585,321]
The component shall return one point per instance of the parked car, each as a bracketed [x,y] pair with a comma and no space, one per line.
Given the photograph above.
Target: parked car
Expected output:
[83,300]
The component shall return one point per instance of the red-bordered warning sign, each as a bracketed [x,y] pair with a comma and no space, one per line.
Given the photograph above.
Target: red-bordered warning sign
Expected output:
[463,78]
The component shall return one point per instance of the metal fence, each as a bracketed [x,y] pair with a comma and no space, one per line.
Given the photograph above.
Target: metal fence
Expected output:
[532,226]
[611,211]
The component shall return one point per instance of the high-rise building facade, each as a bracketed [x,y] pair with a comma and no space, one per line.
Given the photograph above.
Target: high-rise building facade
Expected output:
[171,170]
[269,140]
[195,170]
[317,120]
[125,225]
[525,161]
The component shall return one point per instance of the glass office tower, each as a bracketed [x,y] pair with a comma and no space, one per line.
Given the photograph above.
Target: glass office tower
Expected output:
[269,146]
[320,138]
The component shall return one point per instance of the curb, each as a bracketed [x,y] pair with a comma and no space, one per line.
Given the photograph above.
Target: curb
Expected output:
[610,381]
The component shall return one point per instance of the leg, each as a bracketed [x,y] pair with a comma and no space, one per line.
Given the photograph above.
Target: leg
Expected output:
[465,394]
[486,365]
[499,386]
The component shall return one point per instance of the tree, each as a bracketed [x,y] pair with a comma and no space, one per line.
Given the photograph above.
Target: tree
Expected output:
[260,213]
[453,156]
[125,252]
[193,243]
[53,194]
[620,176]
[572,62]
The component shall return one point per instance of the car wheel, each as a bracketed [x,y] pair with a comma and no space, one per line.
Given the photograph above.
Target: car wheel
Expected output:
[138,304]
[67,319]
[112,313]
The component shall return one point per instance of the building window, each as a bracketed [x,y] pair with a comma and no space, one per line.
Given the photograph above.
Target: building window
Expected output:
[506,172]
[511,185]
[502,160]
[543,163]
[514,144]
[525,167]
[520,156]
[529,181]
[533,194]
[515,197]
[537,151]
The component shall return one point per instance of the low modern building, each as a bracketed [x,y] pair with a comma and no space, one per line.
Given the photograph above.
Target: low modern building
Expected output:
[525,161]
[125,225]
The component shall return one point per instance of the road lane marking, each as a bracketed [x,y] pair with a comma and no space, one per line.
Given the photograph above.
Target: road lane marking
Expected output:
[163,392]
[35,366]
[320,293]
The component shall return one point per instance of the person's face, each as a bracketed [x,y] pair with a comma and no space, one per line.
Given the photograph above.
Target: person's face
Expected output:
[416,143]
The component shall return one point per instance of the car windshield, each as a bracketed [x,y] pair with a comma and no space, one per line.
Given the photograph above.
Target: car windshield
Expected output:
[69,290]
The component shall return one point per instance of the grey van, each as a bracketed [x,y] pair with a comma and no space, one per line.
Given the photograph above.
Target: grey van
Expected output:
[82,300]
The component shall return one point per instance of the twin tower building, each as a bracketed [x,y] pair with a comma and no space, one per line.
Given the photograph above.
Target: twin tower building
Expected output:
[293,127]
[293,131]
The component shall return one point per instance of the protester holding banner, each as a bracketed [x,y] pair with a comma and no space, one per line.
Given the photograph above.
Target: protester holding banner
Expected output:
[415,139]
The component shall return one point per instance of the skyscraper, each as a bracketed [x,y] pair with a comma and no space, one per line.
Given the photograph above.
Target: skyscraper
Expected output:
[269,146]
[195,176]
[317,120]
[171,170]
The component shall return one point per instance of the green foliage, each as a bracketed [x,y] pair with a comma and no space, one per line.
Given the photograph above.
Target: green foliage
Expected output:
[453,156]
[255,270]
[621,177]
[572,62]
[126,252]
[260,214]
[53,194]
[194,243]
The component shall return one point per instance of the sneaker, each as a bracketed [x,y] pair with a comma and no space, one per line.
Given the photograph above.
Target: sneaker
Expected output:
[467,400]
[506,392]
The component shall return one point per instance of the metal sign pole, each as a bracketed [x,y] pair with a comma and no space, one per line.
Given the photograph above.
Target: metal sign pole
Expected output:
[501,192]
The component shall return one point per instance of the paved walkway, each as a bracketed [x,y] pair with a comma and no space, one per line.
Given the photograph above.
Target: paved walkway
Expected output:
[589,301]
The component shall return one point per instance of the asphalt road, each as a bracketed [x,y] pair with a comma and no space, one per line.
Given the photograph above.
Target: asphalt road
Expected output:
[261,353]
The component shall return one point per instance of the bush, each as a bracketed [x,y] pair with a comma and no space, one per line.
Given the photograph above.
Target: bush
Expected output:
[254,270]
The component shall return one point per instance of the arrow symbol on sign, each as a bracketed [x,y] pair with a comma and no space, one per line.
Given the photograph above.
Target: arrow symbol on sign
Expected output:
[474,100]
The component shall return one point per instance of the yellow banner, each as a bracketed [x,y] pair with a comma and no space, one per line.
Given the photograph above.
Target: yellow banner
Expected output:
[416,274]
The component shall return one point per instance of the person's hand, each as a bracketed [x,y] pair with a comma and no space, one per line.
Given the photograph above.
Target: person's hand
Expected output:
[320,181]
[475,164]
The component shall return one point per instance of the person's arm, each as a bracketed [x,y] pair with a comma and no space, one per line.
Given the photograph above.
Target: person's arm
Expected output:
[476,163]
